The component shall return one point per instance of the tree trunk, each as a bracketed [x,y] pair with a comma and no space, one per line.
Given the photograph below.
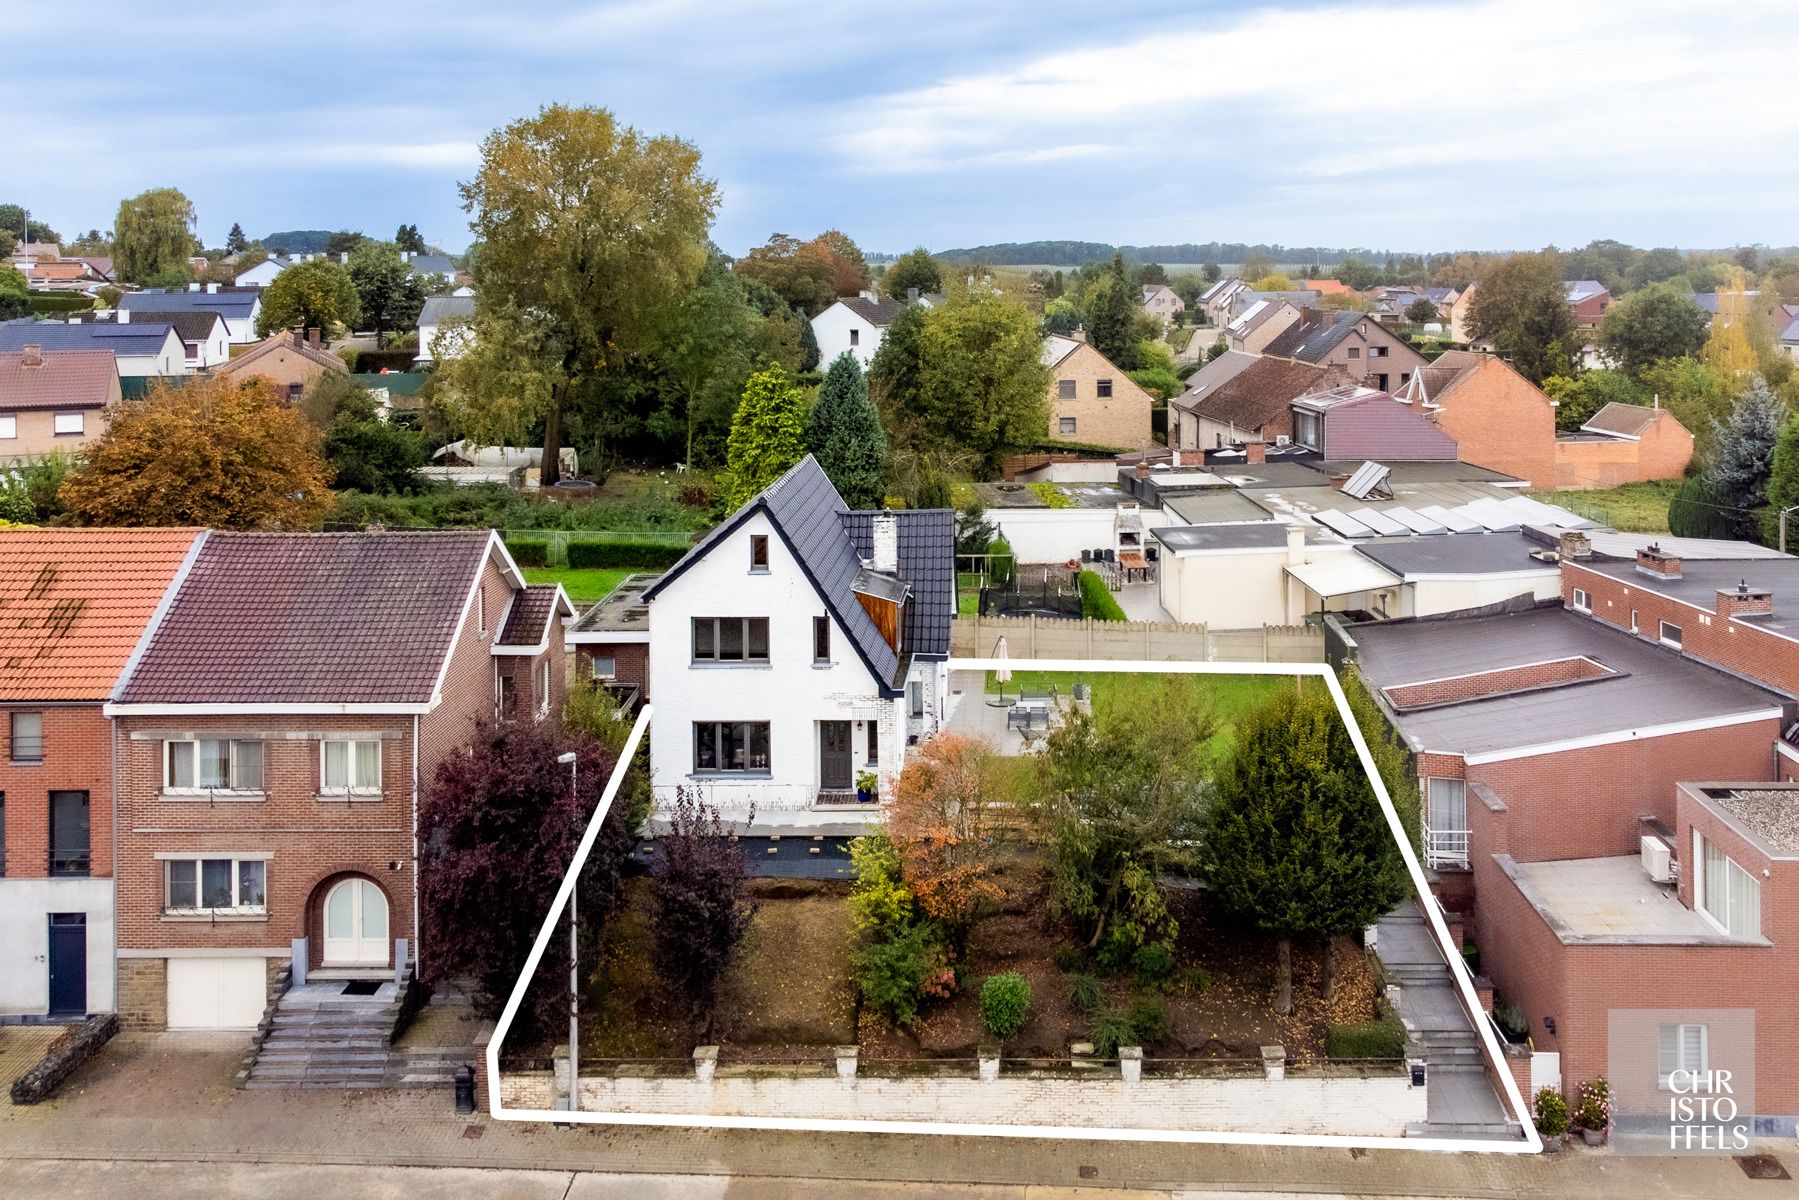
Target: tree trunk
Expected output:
[551,470]
[1283,957]
[1330,969]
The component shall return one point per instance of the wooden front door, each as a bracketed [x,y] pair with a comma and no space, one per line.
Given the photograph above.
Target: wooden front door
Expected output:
[836,772]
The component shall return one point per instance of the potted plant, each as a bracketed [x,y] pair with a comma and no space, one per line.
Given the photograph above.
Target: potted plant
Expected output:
[867,785]
[1551,1118]
[1593,1111]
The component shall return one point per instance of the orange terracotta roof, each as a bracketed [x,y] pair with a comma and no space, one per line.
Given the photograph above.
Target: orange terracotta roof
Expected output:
[74,603]
[1327,287]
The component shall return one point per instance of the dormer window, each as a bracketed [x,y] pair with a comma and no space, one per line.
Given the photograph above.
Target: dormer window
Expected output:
[758,552]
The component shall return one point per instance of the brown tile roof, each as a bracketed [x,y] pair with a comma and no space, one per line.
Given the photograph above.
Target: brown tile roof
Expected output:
[312,618]
[876,312]
[275,341]
[1327,287]
[530,615]
[1622,420]
[74,603]
[1261,392]
[67,379]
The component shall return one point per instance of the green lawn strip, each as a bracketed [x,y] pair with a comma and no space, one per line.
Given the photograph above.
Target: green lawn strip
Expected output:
[968,594]
[586,585]
[1630,507]
[1231,695]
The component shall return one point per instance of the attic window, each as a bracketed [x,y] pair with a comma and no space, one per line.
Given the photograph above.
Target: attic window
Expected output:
[1105,389]
[758,552]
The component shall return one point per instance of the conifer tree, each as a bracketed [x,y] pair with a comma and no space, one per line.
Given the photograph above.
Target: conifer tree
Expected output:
[768,434]
[844,433]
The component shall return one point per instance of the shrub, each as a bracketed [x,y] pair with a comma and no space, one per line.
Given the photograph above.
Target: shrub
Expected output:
[1551,1113]
[1111,1029]
[1193,980]
[624,554]
[352,357]
[378,360]
[1510,1019]
[1051,495]
[1005,1003]
[1097,601]
[1381,1038]
[1070,958]
[1085,994]
[896,976]
[881,906]
[1471,956]
[1593,1108]
[529,554]
[1149,1020]
[1152,963]
[1002,564]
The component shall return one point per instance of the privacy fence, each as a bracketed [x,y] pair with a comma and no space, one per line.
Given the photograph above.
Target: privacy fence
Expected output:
[1158,641]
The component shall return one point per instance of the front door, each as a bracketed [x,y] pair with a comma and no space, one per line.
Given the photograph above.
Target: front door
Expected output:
[835,770]
[356,925]
[68,964]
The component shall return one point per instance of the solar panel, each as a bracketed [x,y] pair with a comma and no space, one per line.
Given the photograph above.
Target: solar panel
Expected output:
[1415,521]
[1493,515]
[1343,524]
[1454,521]
[1378,521]
[1367,477]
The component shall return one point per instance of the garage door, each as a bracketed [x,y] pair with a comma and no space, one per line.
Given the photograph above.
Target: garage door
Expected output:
[216,993]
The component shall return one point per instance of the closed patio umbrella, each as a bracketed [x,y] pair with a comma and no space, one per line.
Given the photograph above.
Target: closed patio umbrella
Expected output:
[1003,673]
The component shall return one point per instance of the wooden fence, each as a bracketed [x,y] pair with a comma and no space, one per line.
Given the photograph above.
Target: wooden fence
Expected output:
[1156,641]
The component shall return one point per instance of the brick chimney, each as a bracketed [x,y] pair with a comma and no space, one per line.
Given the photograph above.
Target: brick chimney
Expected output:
[312,337]
[1745,601]
[1574,544]
[31,356]
[1652,561]
[1143,469]
[1255,452]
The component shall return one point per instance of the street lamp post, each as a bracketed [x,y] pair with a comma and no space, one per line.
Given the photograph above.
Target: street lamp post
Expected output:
[574,960]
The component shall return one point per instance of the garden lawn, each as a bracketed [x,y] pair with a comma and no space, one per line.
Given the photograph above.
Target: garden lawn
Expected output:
[1629,507]
[968,594]
[1231,695]
[585,585]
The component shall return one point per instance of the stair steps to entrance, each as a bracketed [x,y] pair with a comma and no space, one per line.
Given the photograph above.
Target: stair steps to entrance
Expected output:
[322,1040]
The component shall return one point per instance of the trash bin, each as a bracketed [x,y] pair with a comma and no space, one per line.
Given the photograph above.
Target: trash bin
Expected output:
[465,1089]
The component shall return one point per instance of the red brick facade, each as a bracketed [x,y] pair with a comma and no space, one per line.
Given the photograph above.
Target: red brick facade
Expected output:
[1492,683]
[75,759]
[630,663]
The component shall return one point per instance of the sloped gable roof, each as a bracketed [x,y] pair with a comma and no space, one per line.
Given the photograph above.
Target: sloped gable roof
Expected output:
[1312,341]
[285,340]
[67,379]
[927,563]
[438,309]
[880,313]
[137,341]
[234,304]
[528,619]
[1622,420]
[1260,392]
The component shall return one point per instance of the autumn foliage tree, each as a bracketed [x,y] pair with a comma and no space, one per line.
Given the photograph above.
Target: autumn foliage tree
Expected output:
[939,820]
[499,826]
[213,452]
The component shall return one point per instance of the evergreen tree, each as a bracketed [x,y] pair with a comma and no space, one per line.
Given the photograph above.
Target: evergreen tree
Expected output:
[896,373]
[809,351]
[407,238]
[1744,458]
[1296,842]
[844,433]
[768,434]
[235,241]
[1112,316]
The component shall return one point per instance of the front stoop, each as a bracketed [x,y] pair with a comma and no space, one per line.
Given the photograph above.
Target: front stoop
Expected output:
[317,1037]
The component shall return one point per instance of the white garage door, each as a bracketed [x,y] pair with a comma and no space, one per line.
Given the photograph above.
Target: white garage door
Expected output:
[216,993]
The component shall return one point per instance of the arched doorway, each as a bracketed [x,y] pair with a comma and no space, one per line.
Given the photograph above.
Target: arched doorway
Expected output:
[356,925]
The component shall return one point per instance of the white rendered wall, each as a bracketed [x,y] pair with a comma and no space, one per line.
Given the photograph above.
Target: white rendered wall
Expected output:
[25,908]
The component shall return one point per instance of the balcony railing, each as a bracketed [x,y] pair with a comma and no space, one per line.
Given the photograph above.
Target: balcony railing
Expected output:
[70,862]
[1446,847]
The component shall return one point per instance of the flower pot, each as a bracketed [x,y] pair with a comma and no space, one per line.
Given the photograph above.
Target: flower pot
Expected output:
[1593,1137]
[1551,1145]
[864,796]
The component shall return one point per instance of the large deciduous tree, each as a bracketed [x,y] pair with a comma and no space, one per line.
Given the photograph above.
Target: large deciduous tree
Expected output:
[701,911]
[214,452]
[1730,350]
[1656,322]
[705,352]
[498,828]
[589,233]
[315,294]
[1522,306]
[365,451]
[768,434]
[802,273]
[153,236]
[388,293]
[1295,841]
[984,387]
[18,227]
[849,270]
[844,433]
[913,269]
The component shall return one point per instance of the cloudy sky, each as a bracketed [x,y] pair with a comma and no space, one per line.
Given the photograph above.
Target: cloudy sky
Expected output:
[1492,124]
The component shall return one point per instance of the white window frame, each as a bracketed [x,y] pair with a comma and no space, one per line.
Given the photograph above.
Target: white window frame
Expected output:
[1583,600]
[57,421]
[191,748]
[350,786]
[480,610]
[611,661]
[9,427]
[1665,1067]
[1741,918]
[540,683]
[1674,642]
[237,907]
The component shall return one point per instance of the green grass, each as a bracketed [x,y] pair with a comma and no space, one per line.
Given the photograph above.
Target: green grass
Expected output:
[1178,337]
[1629,507]
[1231,695]
[583,585]
[968,594]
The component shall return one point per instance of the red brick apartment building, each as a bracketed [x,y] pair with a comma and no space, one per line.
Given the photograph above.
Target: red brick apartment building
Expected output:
[75,605]
[272,740]
[1563,754]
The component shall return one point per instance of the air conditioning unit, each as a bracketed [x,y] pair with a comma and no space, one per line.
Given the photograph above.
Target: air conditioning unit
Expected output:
[1281,439]
[1657,859]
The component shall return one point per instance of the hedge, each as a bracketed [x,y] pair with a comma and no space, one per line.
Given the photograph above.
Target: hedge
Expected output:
[1382,1038]
[529,554]
[1097,601]
[624,554]
[74,1046]
[59,302]
[372,361]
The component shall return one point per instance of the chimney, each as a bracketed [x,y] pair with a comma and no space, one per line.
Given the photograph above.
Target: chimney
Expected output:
[867,295]
[31,356]
[123,316]
[1652,561]
[212,289]
[886,543]
[193,287]
[911,294]
[1143,469]
[1174,457]
[1255,452]
[1296,544]
[312,337]
[1745,601]
[1574,544]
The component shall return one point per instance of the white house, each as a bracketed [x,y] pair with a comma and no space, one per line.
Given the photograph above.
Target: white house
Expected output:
[205,339]
[142,350]
[239,307]
[798,647]
[435,341]
[264,272]
[855,324]
[436,270]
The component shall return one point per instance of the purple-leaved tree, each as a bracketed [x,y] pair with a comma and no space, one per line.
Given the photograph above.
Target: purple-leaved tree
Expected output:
[701,911]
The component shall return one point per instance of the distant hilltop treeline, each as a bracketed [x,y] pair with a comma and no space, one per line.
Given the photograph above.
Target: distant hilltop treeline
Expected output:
[1075,254]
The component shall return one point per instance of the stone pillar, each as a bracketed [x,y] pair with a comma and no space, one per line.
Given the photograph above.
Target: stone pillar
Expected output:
[1274,1062]
[989,1058]
[559,1073]
[1130,1063]
[705,1062]
[300,952]
[846,1064]
[399,962]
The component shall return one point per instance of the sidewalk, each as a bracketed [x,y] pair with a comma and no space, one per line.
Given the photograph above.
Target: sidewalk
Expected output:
[168,1098]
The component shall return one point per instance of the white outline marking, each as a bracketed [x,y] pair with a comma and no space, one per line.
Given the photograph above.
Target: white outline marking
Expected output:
[1531,1143]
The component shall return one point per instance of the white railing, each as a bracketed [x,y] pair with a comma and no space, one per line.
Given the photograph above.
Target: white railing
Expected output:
[1446,847]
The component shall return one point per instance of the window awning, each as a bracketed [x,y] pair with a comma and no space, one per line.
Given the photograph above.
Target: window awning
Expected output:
[1342,575]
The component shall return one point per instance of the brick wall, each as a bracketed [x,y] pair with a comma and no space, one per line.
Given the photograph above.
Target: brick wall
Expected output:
[1123,420]
[1492,683]
[469,683]
[630,661]
[75,758]
[1502,421]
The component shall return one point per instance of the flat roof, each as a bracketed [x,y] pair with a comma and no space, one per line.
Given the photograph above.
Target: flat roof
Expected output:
[1456,554]
[1021,495]
[1653,685]
[1432,471]
[1262,536]
[1601,900]
[1769,811]
[1700,580]
[1216,507]
[623,610]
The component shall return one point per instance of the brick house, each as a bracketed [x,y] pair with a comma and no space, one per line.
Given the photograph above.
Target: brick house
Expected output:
[610,643]
[1589,299]
[1562,753]
[272,739]
[288,359]
[54,400]
[1241,398]
[1091,400]
[1623,443]
[74,606]
[1367,351]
